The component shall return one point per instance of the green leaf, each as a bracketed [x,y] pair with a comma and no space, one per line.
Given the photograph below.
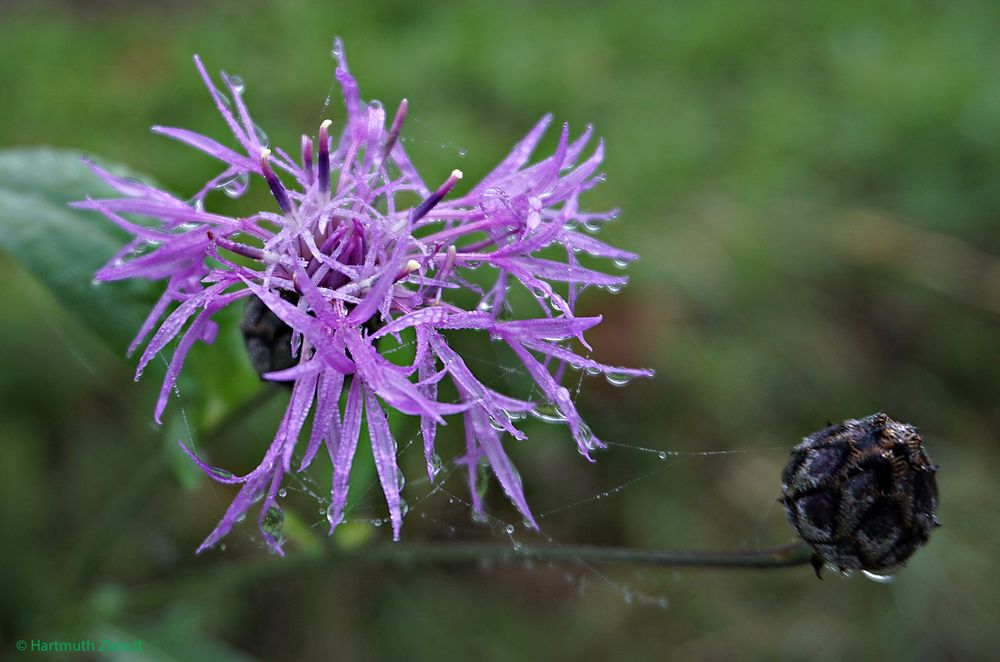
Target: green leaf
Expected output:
[63,247]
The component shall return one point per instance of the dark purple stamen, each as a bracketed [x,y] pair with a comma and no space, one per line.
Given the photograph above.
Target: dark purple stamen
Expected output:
[323,163]
[277,188]
[397,124]
[307,159]
[436,196]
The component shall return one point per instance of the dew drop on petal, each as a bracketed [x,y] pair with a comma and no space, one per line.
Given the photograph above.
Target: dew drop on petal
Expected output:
[437,465]
[261,136]
[274,519]
[548,412]
[617,378]
[235,186]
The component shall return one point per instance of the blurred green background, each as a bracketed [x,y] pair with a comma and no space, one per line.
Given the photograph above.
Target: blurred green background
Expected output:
[814,189]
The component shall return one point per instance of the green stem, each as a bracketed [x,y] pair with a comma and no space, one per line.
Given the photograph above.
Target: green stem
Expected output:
[230,575]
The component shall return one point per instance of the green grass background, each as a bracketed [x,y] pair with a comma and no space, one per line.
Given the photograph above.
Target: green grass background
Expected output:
[814,189]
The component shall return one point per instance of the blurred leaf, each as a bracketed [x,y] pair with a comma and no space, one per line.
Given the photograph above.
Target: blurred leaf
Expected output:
[63,247]
[178,636]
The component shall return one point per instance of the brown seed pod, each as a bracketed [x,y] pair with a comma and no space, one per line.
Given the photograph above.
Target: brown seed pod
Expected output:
[862,493]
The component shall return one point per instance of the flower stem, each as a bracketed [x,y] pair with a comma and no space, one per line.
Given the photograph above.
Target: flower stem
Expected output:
[234,574]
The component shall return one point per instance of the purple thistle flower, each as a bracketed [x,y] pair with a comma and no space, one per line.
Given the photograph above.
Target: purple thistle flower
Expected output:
[343,265]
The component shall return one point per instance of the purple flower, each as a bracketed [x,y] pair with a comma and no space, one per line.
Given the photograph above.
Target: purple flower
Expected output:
[343,263]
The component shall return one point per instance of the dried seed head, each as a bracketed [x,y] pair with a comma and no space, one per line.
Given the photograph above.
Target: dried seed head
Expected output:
[862,493]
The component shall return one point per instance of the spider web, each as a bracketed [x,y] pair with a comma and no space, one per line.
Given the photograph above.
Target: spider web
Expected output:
[434,504]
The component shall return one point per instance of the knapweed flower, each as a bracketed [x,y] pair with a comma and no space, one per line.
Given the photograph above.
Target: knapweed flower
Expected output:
[343,262]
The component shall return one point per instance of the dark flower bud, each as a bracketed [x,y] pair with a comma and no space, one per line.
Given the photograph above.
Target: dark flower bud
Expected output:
[862,493]
[268,340]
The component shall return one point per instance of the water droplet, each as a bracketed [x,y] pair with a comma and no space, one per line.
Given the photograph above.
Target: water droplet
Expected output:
[282,493]
[222,547]
[621,264]
[404,508]
[376,522]
[526,524]
[479,517]
[221,473]
[261,136]
[197,203]
[518,546]
[613,289]
[617,378]
[879,579]
[548,412]
[274,519]
[514,415]
[539,293]
[629,597]
[437,465]
[592,370]
[662,455]
[484,306]
[400,479]
[591,227]
[509,529]
[94,282]
[462,152]
[241,517]
[482,480]
[236,185]
[237,83]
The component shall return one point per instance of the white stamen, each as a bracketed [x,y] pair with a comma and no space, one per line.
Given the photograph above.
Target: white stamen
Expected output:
[457,174]
[412,266]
